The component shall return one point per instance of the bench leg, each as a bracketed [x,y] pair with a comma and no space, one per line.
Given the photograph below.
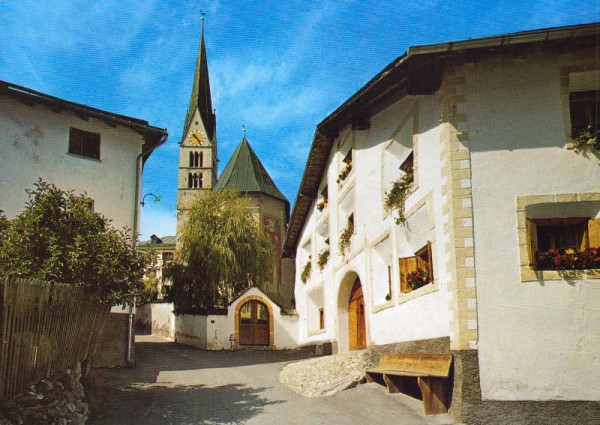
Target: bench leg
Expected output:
[435,395]
[389,382]
[369,377]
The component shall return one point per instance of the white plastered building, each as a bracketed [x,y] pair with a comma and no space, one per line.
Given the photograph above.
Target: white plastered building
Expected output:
[74,147]
[487,128]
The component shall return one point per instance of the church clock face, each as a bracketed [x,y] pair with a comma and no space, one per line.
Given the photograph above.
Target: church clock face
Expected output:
[196,138]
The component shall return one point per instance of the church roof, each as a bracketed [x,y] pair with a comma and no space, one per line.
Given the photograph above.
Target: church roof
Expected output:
[244,172]
[200,98]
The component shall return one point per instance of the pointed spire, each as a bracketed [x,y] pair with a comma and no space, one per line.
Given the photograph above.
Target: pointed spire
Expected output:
[201,98]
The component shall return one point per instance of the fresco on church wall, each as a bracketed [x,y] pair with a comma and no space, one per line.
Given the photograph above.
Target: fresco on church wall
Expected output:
[272,228]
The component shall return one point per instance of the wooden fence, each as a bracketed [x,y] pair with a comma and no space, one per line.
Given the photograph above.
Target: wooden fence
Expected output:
[44,329]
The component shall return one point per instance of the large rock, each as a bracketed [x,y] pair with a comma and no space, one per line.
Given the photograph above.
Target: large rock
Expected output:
[55,401]
[325,376]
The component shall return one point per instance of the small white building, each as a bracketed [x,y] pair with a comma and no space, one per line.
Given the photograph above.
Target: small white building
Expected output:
[75,147]
[486,128]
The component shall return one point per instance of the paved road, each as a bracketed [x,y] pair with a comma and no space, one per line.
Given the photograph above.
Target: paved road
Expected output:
[174,384]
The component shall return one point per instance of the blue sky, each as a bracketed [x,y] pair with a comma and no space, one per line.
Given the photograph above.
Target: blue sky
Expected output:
[278,68]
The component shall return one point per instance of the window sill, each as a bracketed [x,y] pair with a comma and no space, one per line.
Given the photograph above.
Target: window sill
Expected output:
[529,274]
[347,179]
[74,155]
[423,290]
[317,332]
[383,306]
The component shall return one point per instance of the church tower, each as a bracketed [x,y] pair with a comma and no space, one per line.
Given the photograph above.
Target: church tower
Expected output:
[198,147]
[271,209]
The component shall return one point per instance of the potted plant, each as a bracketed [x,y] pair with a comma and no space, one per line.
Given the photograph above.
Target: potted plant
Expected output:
[395,198]
[305,275]
[345,172]
[323,258]
[347,233]
[588,138]
[322,204]
[568,259]
[417,278]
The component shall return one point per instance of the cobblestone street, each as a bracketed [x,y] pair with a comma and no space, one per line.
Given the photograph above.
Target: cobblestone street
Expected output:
[174,384]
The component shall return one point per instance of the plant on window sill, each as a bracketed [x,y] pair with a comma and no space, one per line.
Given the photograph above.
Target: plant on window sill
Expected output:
[587,139]
[395,198]
[323,258]
[345,238]
[345,172]
[417,278]
[568,259]
[322,205]
[305,275]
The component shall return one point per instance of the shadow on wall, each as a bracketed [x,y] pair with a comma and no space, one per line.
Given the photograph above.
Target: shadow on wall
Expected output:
[232,403]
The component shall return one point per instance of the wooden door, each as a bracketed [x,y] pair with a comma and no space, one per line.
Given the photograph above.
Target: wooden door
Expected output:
[356,318]
[254,324]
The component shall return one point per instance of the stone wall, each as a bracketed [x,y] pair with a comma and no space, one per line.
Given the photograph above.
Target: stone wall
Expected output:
[53,401]
[112,350]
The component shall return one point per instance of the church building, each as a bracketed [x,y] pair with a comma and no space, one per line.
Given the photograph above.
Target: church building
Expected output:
[245,173]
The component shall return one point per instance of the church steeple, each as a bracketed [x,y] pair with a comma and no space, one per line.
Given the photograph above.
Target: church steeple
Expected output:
[198,148]
[200,99]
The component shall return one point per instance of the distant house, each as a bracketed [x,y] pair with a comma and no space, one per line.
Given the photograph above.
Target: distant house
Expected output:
[475,140]
[164,248]
[75,147]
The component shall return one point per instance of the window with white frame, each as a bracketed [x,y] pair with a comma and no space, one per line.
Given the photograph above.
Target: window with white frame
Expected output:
[323,248]
[381,271]
[305,261]
[315,314]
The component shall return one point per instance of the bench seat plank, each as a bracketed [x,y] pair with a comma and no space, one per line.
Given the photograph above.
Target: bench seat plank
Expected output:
[401,372]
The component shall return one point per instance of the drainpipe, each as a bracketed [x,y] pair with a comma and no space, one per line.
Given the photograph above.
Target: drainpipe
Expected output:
[136,221]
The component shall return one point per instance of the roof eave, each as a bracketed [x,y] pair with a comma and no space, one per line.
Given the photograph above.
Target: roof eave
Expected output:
[364,101]
[152,135]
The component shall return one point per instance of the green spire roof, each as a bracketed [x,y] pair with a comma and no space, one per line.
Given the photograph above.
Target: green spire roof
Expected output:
[244,172]
[201,98]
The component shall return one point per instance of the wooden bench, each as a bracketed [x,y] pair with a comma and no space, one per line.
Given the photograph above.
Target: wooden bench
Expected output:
[432,373]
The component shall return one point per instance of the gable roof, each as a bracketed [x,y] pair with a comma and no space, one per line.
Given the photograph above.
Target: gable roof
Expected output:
[155,241]
[153,136]
[200,98]
[245,173]
[418,71]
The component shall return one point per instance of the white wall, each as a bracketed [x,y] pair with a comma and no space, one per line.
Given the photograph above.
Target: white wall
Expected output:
[163,319]
[213,332]
[190,329]
[537,340]
[34,142]
[219,329]
[421,314]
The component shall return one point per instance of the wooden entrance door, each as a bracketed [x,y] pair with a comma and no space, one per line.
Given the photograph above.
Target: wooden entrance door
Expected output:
[356,318]
[254,324]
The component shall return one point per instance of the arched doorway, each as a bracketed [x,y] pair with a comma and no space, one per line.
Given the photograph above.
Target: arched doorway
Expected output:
[357,335]
[254,324]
